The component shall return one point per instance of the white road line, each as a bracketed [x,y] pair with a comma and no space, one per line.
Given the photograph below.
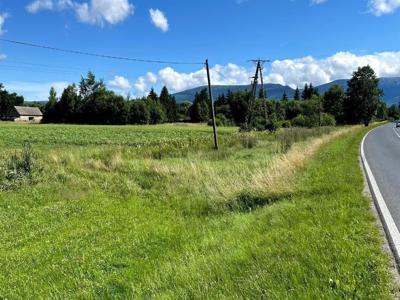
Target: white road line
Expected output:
[395,131]
[390,227]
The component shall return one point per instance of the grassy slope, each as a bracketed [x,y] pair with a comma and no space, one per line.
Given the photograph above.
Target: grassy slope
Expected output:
[111,230]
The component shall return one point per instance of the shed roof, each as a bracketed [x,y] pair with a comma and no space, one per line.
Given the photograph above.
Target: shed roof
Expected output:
[28,111]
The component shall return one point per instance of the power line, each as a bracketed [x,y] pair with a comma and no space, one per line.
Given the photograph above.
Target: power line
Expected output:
[33,45]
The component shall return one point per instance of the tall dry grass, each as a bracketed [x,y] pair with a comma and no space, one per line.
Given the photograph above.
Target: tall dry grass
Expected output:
[249,170]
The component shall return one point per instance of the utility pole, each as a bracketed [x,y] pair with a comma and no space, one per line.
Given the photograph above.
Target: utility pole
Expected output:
[262,79]
[212,107]
[249,117]
[263,92]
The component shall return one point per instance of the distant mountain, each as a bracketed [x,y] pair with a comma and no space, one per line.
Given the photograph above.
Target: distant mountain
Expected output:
[274,91]
[389,85]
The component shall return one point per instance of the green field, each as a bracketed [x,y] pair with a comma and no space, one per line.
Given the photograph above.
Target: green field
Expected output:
[155,212]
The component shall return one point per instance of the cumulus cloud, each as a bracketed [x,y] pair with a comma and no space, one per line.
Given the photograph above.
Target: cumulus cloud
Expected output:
[120,83]
[382,7]
[3,18]
[230,74]
[297,72]
[159,20]
[96,12]
[144,83]
[291,72]
[101,11]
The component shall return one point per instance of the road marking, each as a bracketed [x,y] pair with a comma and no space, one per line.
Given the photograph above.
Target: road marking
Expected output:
[395,131]
[387,220]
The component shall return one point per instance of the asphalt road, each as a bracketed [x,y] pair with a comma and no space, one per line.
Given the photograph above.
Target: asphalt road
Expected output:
[382,151]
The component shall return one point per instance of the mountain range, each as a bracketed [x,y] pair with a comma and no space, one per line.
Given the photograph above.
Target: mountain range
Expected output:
[389,85]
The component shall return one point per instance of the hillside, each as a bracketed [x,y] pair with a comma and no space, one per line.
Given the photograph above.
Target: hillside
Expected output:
[275,91]
[389,85]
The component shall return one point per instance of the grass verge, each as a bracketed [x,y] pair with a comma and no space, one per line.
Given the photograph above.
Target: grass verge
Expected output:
[124,223]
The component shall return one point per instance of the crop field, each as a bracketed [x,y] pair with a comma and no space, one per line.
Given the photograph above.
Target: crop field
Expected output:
[154,212]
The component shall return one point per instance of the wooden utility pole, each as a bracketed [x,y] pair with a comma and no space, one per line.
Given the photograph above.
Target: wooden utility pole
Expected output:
[262,79]
[212,107]
[249,116]
[263,92]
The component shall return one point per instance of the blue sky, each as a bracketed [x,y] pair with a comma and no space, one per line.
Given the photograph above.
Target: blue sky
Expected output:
[307,41]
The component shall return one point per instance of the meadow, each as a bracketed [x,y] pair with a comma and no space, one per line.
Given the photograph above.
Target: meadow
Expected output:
[154,212]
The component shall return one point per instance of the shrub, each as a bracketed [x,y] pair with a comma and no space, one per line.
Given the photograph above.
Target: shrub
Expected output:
[327,120]
[221,120]
[17,168]
[286,124]
[299,121]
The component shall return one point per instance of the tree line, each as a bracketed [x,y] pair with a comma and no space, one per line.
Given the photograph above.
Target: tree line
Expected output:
[360,104]
[90,102]
[8,101]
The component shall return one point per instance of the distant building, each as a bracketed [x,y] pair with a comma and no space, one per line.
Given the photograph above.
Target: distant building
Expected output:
[24,114]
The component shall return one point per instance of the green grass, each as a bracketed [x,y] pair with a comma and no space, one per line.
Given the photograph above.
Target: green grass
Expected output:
[154,212]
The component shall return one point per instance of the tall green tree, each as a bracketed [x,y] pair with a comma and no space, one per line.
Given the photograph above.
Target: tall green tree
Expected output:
[152,95]
[67,107]
[382,113]
[296,94]
[50,107]
[306,93]
[89,85]
[200,110]
[309,91]
[169,104]
[363,96]
[333,102]
[139,112]
[394,112]
[8,101]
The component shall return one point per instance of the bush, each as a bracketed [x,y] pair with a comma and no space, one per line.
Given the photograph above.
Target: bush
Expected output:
[286,124]
[327,120]
[299,121]
[221,120]
[306,121]
[17,168]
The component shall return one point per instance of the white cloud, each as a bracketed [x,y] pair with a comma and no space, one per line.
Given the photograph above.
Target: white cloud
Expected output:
[159,20]
[101,11]
[297,72]
[3,56]
[120,82]
[151,78]
[33,91]
[3,18]
[317,1]
[144,83]
[96,12]
[382,7]
[230,74]
[291,72]
[39,5]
